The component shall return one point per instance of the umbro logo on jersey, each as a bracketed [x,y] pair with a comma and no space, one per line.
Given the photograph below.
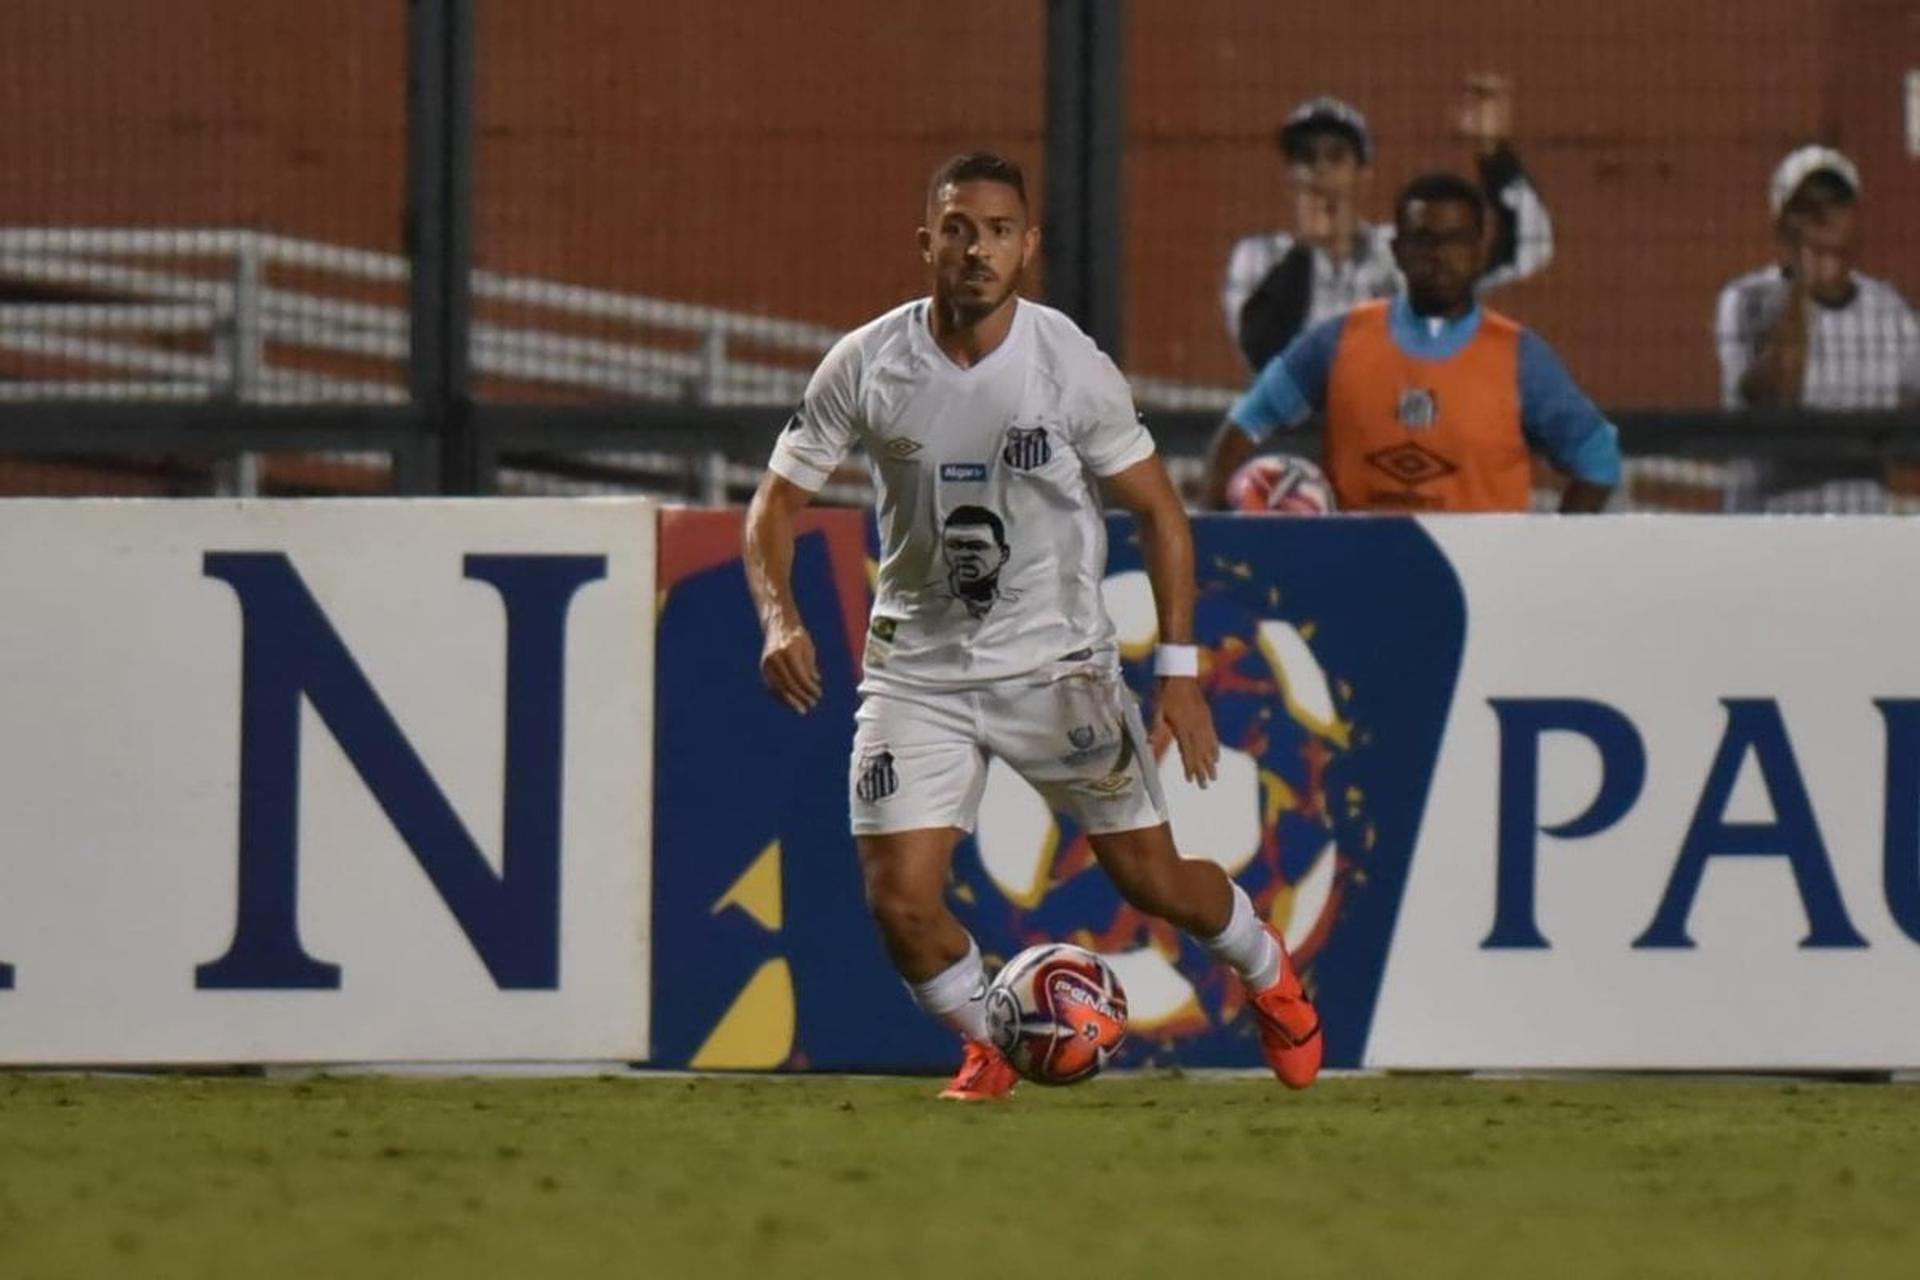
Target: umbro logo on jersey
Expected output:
[1410,464]
[900,448]
[1027,448]
[973,472]
[877,780]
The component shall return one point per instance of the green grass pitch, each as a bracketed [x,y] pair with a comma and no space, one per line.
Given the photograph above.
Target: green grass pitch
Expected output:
[279,1179]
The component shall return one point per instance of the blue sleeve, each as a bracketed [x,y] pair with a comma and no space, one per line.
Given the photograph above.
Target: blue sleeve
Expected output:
[1293,386]
[1560,421]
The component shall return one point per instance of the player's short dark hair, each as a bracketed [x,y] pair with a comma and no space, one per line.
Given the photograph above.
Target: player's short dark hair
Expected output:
[1432,188]
[977,166]
[977,515]
[1819,191]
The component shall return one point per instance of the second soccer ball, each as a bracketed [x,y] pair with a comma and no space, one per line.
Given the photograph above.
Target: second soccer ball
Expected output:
[1280,484]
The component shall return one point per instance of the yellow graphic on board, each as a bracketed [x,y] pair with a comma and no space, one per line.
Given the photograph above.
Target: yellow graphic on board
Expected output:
[756,1032]
[757,891]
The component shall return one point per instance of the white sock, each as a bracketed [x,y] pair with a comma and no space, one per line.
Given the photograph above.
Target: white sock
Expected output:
[1246,946]
[957,995]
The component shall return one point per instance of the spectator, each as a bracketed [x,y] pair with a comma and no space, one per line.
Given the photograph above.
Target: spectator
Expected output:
[1280,282]
[1430,402]
[1811,332]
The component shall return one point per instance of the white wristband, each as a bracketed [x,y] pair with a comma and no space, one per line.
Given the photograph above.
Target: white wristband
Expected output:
[1176,660]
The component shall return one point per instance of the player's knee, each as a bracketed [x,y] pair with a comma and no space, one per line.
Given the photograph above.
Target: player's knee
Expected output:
[1146,881]
[901,910]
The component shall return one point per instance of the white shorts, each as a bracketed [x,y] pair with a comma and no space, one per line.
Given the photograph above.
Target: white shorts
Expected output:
[1072,729]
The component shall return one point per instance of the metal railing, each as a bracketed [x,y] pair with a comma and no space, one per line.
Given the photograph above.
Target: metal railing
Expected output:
[244,318]
[177,316]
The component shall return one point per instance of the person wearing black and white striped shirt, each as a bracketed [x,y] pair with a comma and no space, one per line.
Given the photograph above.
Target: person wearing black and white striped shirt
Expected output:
[1279,283]
[1812,332]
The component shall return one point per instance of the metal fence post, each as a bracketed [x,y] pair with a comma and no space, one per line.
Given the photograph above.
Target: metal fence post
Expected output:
[1085,138]
[713,362]
[238,343]
[440,235]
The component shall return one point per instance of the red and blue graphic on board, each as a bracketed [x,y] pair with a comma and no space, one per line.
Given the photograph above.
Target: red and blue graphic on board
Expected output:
[1331,647]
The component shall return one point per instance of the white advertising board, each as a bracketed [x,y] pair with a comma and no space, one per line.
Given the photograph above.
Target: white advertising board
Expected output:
[1675,813]
[325,781]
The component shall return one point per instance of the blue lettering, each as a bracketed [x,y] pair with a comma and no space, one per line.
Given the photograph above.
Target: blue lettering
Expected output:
[1901,868]
[290,651]
[1754,725]
[1623,770]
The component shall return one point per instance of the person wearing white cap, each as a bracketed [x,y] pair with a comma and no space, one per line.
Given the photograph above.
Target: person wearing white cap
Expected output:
[1279,283]
[1812,332]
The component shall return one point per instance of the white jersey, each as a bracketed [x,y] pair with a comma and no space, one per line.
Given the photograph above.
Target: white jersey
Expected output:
[992,537]
[1865,355]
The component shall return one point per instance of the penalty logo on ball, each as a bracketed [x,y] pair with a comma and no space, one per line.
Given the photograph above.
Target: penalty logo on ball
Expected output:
[1058,1013]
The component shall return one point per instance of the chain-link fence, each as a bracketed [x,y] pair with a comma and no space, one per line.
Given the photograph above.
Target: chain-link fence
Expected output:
[204,206]
[680,207]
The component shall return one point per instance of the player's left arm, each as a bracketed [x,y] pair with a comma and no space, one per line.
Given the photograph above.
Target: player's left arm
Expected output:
[1114,443]
[1166,544]
[1563,424]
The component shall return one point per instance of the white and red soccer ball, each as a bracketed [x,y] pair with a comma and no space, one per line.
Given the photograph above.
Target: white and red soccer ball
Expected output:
[1280,484]
[1057,1012]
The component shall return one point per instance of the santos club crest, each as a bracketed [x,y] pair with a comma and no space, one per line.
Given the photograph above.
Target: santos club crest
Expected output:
[1027,448]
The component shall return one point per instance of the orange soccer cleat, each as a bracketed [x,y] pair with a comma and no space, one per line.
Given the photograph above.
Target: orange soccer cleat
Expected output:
[1289,1026]
[984,1074]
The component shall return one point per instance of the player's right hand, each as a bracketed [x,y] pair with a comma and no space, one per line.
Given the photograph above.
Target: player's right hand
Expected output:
[788,665]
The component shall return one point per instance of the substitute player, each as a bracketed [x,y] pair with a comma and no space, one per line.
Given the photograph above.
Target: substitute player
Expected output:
[986,418]
[1431,401]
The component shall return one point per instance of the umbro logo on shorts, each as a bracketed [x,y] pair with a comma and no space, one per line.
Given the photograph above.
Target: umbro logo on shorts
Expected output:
[1027,448]
[877,780]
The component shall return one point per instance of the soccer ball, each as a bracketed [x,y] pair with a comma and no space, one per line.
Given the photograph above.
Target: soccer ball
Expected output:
[1057,1012]
[1280,484]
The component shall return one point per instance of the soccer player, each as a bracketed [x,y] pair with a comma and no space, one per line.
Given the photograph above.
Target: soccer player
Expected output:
[1431,401]
[986,419]
[1280,282]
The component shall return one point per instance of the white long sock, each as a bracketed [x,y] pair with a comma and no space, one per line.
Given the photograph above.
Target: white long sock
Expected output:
[957,995]
[1246,946]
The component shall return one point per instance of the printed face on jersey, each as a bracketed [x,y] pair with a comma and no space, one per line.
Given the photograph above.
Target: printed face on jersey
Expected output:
[978,240]
[1438,247]
[974,543]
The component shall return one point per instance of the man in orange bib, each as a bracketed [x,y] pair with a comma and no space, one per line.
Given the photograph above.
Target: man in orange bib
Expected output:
[1431,402]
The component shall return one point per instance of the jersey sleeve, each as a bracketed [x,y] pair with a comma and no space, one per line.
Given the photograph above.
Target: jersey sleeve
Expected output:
[1522,227]
[1560,421]
[1108,431]
[1248,264]
[1293,386]
[822,430]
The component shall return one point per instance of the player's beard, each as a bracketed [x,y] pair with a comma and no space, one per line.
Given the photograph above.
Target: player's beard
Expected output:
[971,311]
